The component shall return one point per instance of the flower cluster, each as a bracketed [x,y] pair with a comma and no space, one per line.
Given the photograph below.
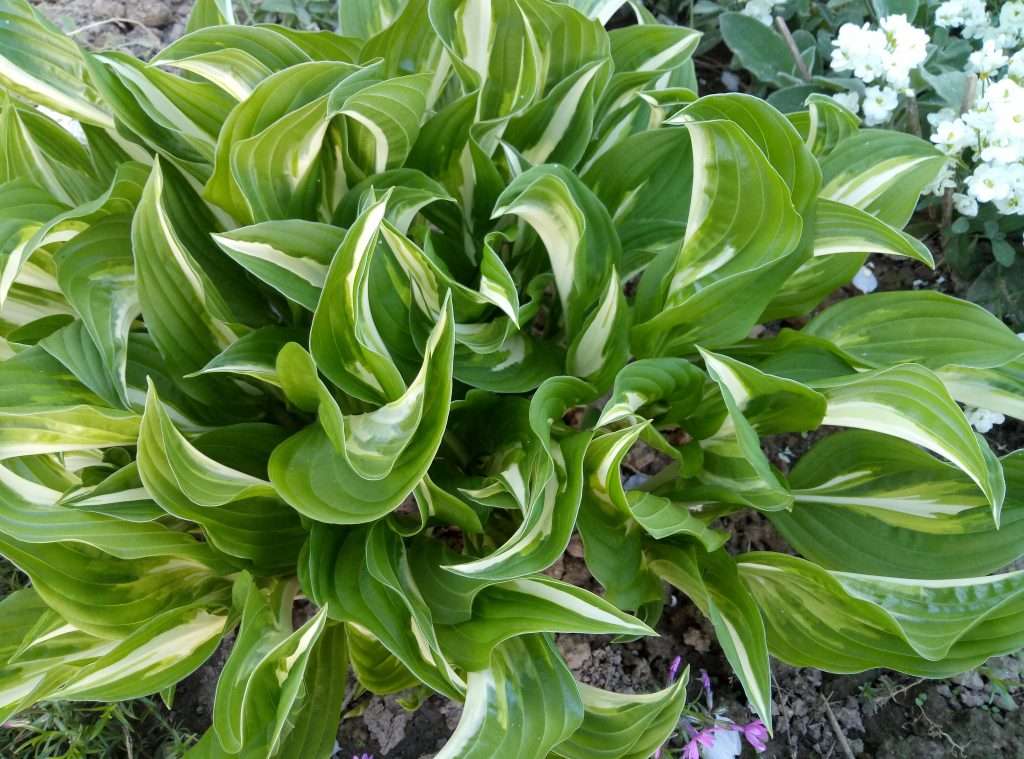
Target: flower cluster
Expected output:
[709,734]
[973,20]
[881,58]
[762,10]
[988,137]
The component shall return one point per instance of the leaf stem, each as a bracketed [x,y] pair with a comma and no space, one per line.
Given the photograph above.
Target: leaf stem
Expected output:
[801,64]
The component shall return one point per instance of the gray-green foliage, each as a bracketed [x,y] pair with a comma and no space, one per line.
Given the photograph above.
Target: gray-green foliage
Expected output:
[372,318]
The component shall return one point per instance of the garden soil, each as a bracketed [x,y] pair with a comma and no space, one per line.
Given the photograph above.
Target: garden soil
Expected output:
[872,715]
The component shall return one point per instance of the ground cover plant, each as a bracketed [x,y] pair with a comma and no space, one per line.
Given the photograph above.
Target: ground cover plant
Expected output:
[368,320]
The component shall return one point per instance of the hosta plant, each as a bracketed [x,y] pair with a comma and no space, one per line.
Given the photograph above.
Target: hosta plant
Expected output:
[369,320]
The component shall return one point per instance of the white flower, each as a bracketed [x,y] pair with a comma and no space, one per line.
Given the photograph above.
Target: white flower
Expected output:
[989,183]
[849,100]
[887,54]
[762,10]
[1011,17]
[982,419]
[1011,206]
[952,136]
[945,114]
[946,180]
[987,61]
[1016,65]
[965,204]
[879,103]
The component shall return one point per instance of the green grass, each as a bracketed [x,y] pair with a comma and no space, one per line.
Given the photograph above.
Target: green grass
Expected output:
[140,729]
[64,730]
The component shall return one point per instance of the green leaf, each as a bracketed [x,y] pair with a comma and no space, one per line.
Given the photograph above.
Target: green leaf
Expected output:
[344,340]
[96,271]
[930,628]
[844,229]
[922,326]
[880,172]
[45,66]
[865,503]
[617,726]
[180,303]
[530,605]
[110,597]
[241,514]
[737,232]
[236,59]
[771,405]
[771,132]
[527,685]
[262,680]
[37,149]
[712,582]
[664,390]
[290,255]
[911,403]
[891,7]
[206,13]
[279,103]
[999,389]
[314,487]
[575,229]
[254,355]
[550,512]
[761,51]
[828,124]
[382,121]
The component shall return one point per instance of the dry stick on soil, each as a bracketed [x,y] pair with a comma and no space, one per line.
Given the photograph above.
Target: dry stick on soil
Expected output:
[801,64]
[118,20]
[837,730]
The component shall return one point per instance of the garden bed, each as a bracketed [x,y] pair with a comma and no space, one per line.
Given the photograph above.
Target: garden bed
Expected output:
[875,714]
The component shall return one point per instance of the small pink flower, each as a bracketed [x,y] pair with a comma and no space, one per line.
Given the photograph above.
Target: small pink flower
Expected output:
[704,738]
[756,734]
[673,669]
[364,756]
[706,682]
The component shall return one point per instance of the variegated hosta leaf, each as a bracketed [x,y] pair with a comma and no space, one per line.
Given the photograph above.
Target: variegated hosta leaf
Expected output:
[41,656]
[262,681]
[45,66]
[880,172]
[110,597]
[865,503]
[665,390]
[526,685]
[737,232]
[550,498]
[826,124]
[241,514]
[624,727]
[910,402]
[235,59]
[576,232]
[712,582]
[925,327]
[844,229]
[341,457]
[847,623]
[290,255]
[999,389]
